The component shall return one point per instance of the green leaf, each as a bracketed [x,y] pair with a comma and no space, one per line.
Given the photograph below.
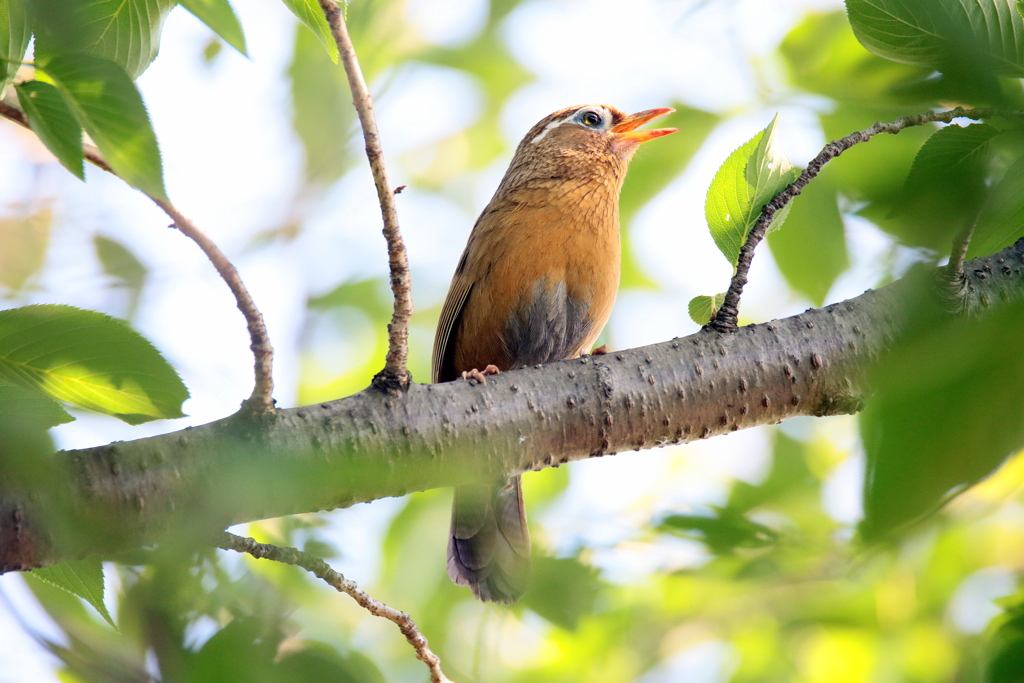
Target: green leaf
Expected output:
[320,94]
[811,251]
[872,176]
[1002,218]
[111,110]
[942,34]
[221,18]
[122,265]
[54,123]
[30,407]
[310,14]
[83,578]
[14,37]
[704,307]
[789,477]
[24,241]
[313,661]
[945,188]
[90,360]
[947,411]
[1004,653]
[562,590]
[748,179]
[722,532]
[824,57]
[126,32]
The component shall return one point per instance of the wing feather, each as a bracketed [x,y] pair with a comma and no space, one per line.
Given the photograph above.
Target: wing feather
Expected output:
[444,339]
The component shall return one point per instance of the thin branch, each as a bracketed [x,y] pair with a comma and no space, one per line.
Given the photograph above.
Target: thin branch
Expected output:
[726,318]
[954,281]
[316,566]
[395,375]
[261,400]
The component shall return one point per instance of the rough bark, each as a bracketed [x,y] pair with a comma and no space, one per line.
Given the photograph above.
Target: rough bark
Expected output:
[372,445]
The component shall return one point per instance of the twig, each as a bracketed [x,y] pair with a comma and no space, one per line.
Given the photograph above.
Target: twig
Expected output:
[261,401]
[954,281]
[316,566]
[395,375]
[726,318]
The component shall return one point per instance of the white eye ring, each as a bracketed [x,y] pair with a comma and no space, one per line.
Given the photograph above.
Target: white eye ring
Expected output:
[590,118]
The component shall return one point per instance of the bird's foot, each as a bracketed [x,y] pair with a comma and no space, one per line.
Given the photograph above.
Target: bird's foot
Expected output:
[600,350]
[481,376]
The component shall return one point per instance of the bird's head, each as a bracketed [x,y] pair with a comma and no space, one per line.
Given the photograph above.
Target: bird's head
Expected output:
[585,140]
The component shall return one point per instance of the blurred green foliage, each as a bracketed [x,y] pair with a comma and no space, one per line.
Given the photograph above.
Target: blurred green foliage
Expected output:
[775,576]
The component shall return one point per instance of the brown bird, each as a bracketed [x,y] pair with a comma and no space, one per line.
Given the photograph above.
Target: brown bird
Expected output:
[535,284]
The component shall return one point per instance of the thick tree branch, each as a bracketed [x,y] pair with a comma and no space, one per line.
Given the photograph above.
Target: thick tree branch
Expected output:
[261,400]
[726,318]
[370,445]
[395,375]
[322,570]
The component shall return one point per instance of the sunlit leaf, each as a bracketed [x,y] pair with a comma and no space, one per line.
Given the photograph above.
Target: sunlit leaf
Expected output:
[54,123]
[89,360]
[748,179]
[110,109]
[126,32]
[1001,221]
[83,578]
[24,240]
[811,251]
[14,37]
[310,14]
[946,413]
[221,18]
[704,307]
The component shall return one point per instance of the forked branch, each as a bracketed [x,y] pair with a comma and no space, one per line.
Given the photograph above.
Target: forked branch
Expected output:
[261,400]
[726,318]
[395,375]
[319,568]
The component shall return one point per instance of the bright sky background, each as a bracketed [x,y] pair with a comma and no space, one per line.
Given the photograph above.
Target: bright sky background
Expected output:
[230,163]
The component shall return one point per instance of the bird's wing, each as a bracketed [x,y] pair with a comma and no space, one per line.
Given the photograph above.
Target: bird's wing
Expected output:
[444,340]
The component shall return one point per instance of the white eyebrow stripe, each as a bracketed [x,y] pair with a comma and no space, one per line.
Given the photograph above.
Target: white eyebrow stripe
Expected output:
[554,124]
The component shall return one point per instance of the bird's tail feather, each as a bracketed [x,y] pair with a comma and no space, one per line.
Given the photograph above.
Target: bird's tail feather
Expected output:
[489,544]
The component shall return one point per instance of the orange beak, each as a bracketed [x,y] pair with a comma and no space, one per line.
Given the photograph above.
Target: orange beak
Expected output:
[627,130]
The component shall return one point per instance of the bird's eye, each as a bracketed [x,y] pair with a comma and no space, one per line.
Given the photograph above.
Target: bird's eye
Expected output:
[592,118]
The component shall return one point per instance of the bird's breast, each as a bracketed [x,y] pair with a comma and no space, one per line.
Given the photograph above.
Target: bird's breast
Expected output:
[544,275]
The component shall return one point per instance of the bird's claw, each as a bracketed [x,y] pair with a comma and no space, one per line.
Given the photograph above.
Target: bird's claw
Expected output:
[600,350]
[481,376]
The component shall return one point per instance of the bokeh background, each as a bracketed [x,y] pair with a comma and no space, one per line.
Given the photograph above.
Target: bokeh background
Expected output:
[726,560]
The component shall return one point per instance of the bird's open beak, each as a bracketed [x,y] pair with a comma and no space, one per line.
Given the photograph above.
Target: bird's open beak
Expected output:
[627,130]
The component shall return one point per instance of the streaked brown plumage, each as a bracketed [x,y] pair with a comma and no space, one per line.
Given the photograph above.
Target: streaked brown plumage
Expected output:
[535,284]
